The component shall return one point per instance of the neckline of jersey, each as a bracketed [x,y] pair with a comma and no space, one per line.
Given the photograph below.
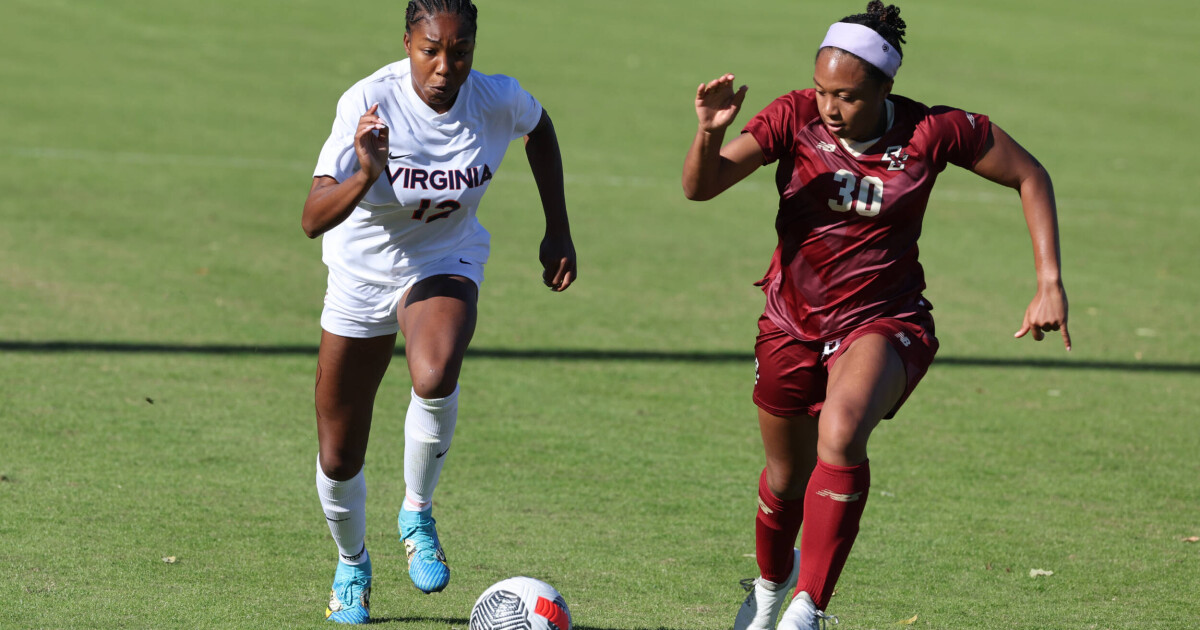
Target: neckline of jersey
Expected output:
[857,149]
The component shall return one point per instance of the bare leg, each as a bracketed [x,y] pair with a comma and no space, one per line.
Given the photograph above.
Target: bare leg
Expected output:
[790,444]
[864,384]
[348,375]
[437,317]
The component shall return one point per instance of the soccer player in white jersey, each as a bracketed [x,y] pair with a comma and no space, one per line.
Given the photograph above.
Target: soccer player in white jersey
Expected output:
[395,193]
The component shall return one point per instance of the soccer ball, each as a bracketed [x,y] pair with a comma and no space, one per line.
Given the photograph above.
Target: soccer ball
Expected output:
[520,603]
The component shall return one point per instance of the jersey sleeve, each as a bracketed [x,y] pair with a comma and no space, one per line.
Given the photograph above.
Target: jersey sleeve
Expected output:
[772,128]
[775,127]
[338,159]
[960,135]
[526,110]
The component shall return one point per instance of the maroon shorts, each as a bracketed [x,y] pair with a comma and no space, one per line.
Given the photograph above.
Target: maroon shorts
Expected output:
[790,376]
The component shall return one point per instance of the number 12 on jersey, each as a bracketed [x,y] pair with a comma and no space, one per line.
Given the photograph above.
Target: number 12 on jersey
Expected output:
[869,194]
[446,208]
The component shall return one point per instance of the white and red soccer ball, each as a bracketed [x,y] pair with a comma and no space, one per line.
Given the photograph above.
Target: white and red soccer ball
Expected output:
[520,603]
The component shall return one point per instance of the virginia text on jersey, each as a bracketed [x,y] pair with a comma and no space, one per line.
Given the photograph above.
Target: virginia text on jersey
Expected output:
[453,179]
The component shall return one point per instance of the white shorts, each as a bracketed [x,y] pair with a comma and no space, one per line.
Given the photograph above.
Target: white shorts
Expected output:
[363,309]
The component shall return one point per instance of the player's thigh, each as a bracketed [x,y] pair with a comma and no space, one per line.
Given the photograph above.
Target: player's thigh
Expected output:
[437,317]
[866,380]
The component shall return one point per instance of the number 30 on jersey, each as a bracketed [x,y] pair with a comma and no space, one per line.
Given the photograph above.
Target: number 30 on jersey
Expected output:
[864,195]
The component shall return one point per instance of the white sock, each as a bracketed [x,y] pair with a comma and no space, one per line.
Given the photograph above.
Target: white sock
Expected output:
[428,429]
[345,506]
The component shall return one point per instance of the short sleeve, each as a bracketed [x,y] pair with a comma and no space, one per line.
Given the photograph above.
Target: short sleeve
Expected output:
[774,128]
[961,136]
[338,159]
[526,110]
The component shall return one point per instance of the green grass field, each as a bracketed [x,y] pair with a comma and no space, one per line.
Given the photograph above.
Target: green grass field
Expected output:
[159,307]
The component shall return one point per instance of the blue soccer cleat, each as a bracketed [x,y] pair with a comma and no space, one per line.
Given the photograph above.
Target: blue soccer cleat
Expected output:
[350,601]
[426,560]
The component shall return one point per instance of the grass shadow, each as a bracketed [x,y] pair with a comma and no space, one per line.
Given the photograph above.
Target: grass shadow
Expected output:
[566,354]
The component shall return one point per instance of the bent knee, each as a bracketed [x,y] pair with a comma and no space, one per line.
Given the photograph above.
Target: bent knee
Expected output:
[432,382]
[787,482]
[842,440]
[340,465]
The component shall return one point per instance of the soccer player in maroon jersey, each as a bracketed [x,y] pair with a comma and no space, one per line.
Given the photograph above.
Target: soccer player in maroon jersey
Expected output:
[846,334]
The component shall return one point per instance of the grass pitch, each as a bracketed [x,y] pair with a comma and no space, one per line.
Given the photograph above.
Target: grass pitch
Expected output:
[159,325]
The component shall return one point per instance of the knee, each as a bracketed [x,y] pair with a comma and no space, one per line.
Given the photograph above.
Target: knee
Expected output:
[339,465]
[843,437]
[434,381]
[787,481]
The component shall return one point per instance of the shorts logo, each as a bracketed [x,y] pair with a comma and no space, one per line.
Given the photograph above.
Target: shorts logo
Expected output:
[756,371]
[970,119]
[830,348]
[841,498]
[903,339]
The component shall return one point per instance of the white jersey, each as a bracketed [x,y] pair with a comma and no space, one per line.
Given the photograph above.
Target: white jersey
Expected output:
[424,205]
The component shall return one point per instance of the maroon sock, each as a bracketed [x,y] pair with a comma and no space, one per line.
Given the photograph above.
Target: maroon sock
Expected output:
[775,532]
[834,504]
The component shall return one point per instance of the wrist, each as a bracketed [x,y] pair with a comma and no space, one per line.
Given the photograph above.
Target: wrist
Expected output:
[1049,280]
[558,230]
[366,177]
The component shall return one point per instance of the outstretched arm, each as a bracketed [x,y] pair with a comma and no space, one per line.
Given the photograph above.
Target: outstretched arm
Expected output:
[557,252]
[1008,163]
[709,169]
[329,201]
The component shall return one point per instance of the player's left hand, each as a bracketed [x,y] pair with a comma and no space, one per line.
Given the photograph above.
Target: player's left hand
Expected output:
[1047,311]
[557,255]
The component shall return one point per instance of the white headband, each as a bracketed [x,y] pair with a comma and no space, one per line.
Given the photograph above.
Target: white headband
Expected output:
[866,43]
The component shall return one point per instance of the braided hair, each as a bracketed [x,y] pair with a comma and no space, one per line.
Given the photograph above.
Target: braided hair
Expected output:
[424,9]
[885,21]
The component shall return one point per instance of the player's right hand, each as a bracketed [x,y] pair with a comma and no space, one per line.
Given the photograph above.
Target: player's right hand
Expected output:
[717,104]
[371,147]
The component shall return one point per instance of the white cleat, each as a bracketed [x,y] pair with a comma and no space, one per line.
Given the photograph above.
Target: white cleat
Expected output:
[802,614]
[765,600]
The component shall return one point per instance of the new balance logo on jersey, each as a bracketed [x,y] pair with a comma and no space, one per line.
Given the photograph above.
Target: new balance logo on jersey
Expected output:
[970,119]
[841,498]
[903,339]
[826,147]
[456,179]
[895,157]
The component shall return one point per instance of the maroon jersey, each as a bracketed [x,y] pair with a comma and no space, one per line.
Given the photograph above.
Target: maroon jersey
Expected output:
[848,225]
